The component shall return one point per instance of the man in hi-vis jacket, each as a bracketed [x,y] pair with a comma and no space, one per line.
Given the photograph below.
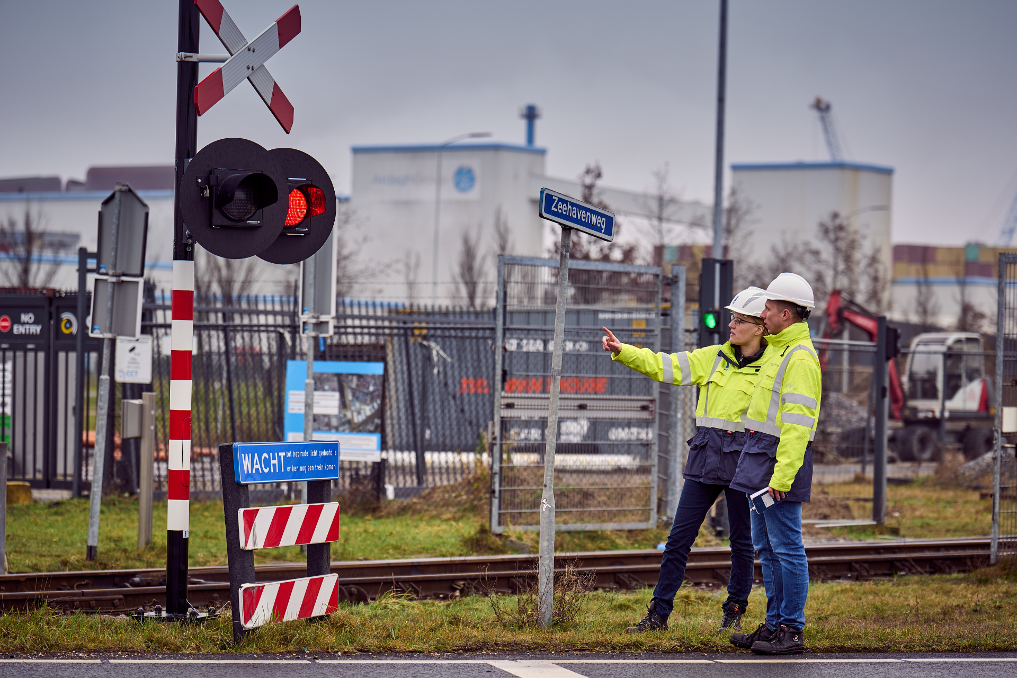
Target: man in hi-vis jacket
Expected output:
[776,461]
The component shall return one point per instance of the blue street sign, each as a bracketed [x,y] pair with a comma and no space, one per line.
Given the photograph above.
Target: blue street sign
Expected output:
[575,214]
[285,462]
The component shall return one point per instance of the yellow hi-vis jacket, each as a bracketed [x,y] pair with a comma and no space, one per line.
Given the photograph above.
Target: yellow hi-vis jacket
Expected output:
[711,367]
[785,409]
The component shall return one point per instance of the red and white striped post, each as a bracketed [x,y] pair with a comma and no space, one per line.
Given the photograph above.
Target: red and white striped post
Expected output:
[179,449]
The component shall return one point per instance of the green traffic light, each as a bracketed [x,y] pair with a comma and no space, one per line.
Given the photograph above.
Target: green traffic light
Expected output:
[710,320]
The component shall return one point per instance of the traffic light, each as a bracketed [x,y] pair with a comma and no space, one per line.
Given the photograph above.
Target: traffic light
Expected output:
[240,200]
[713,317]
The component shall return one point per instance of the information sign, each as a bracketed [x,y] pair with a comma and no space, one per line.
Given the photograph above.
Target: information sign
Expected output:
[285,462]
[575,214]
[347,405]
[133,363]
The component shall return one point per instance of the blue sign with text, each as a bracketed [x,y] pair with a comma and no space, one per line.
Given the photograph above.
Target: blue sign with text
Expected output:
[285,462]
[575,214]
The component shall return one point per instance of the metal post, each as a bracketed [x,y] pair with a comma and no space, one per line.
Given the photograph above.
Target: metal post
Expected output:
[997,451]
[718,167]
[494,439]
[880,374]
[868,423]
[676,458]
[147,463]
[102,418]
[3,507]
[545,567]
[308,396]
[79,381]
[941,453]
[188,33]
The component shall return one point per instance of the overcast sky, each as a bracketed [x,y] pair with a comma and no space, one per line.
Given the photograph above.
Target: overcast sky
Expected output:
[926,87]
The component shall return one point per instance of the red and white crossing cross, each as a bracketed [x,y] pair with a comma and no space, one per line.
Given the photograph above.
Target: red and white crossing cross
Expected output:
[247,60]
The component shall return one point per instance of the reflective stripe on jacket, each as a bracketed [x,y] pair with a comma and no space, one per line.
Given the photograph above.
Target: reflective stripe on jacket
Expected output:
[785,407]
[724,394]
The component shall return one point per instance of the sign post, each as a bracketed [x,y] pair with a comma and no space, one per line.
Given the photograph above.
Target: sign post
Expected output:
[570,214]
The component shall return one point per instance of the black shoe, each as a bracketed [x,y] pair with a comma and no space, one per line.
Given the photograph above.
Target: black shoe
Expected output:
[746,640]
[732,617]
[651,622]
[785,641]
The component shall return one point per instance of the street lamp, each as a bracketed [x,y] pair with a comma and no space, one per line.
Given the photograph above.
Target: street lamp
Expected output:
[437,207]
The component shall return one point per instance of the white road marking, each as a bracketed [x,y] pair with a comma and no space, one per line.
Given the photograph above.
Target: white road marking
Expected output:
[535,669]
[50,661]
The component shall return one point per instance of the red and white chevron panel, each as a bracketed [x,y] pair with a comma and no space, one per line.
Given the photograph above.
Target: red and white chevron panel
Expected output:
[288,600]
[247,60]
[271,526]
[178,478]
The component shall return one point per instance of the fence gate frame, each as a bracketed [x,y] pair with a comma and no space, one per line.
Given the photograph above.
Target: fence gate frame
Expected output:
[619,403]
[1004,500]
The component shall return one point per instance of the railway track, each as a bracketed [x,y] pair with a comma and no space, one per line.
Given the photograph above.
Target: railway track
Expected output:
[443,578]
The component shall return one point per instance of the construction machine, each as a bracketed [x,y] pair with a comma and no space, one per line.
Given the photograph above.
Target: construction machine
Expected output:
[944,374]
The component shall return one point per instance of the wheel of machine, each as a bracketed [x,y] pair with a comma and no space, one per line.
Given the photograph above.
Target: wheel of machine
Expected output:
[920,444]
[977,441]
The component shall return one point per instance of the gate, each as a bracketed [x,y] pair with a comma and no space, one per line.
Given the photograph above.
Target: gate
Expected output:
[38,386]
[606,461]
[1004,473]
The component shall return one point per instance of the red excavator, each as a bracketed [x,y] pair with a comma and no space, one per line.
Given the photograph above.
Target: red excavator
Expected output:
[917,398]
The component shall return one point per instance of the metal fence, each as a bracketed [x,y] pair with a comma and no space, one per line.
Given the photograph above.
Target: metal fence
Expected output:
[606,468]
[1004,474]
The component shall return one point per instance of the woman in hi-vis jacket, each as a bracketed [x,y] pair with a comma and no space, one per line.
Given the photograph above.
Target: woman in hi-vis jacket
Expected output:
[726,376]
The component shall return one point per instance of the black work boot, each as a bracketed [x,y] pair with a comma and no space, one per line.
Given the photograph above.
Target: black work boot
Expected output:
[746,640]
[651,622]
[785,641]
[732,616]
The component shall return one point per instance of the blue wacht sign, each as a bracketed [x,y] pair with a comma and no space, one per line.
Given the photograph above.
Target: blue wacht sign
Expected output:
[285,462]
[575,214]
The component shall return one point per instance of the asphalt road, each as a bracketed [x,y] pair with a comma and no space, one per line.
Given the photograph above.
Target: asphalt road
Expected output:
[505,666]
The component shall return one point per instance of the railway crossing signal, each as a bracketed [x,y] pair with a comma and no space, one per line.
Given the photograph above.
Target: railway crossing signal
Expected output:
[247,60]
[240,200]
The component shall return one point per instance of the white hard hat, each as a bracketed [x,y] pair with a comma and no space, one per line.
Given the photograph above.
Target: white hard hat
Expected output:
[750,301]
[791,287]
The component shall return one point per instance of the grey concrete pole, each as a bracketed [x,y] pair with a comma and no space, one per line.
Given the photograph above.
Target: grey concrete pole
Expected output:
[545,566]
[309,303]
[676,458]
[997,446]
[147,468]
[102,413]
[881,376]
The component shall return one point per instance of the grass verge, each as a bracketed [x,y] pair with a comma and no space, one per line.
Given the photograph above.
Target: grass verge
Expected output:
[940,613]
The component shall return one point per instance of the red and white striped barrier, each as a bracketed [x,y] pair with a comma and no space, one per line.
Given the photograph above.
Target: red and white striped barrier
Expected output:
[272,526]
[288,600]
[247,60]
[178,480]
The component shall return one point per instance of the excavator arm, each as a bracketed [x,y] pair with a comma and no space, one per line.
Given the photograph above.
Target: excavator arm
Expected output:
[841,310]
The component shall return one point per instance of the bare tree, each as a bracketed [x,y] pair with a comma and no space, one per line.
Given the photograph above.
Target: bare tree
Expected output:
[230,279]
[926,310]
[970,318]
[660,203]
[350,269]
[24,242]
[411,271]
[502,235]
[586,247]
[877,281]
[469,274]
[841,254]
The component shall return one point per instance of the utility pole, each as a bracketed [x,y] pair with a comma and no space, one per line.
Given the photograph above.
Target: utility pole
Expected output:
[718,169]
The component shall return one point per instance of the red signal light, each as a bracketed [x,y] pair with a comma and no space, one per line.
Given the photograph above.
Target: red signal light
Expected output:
[316,200]
[298,208]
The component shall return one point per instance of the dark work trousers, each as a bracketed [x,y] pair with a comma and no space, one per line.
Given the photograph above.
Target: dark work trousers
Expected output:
[695,503]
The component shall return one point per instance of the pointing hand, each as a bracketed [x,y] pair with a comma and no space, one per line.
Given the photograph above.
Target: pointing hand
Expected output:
[611,342]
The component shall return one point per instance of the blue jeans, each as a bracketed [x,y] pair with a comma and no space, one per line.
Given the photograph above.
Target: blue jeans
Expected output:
[694,504]
[777,537]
